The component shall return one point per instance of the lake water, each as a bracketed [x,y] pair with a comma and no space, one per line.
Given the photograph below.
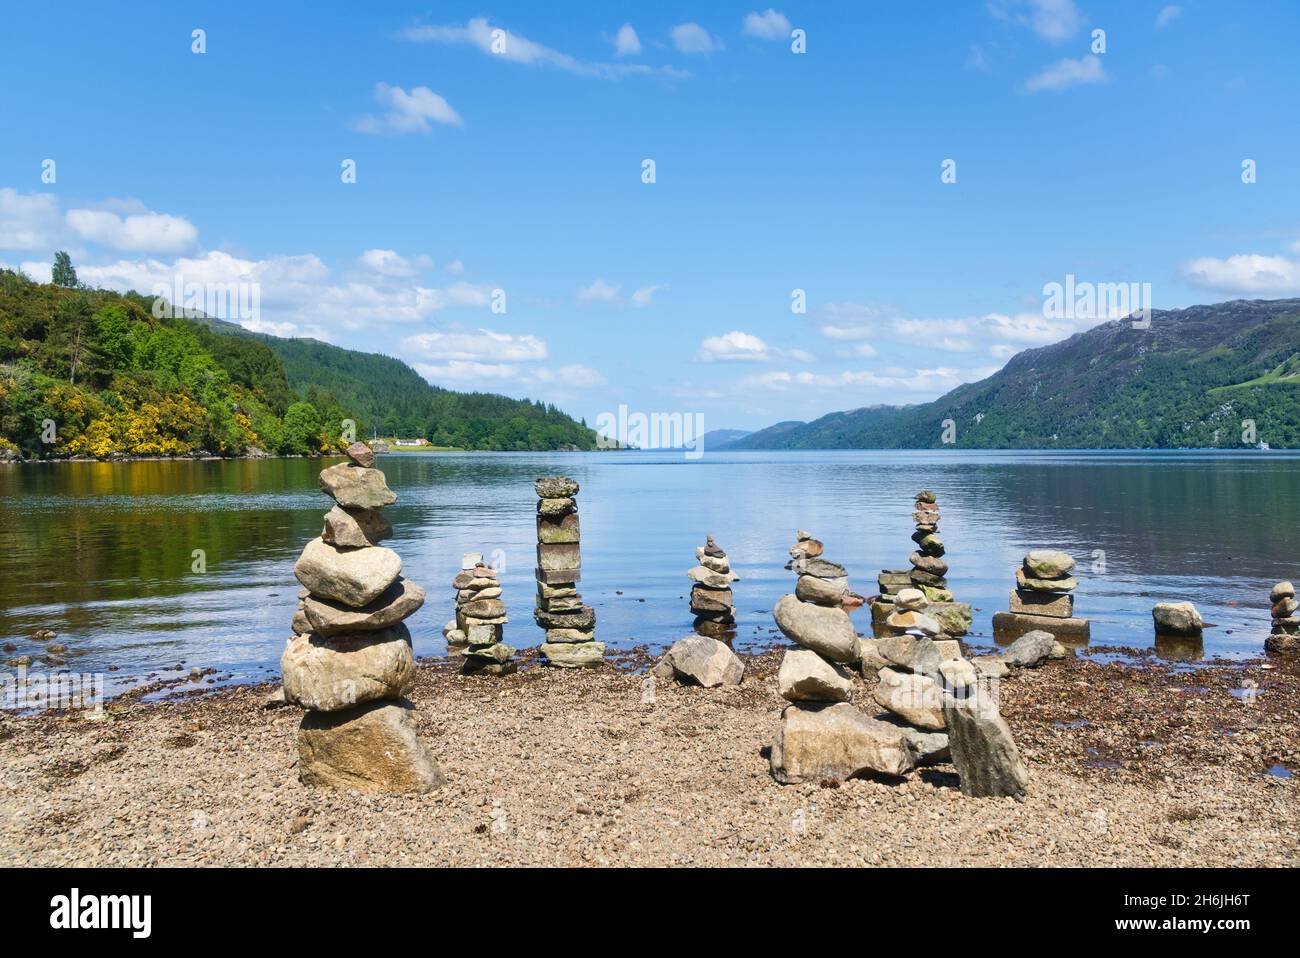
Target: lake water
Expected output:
[103,553]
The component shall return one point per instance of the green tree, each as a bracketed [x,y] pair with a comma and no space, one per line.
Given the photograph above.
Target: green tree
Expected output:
[63,274]
[301,426]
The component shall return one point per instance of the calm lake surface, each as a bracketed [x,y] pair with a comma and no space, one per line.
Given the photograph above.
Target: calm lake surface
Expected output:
[102,553]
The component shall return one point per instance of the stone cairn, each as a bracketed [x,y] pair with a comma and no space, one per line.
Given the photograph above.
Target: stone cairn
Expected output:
[711,598]
[480,619]
[928,576]
[1041,600]
[349,662]
[921,681]
[1285,638]
[570,626]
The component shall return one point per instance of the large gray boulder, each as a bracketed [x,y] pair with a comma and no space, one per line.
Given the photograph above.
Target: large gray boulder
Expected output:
[332,674]
[827,631]
[916,698]
[983,750]
[1048,564]
[1030,650]
[574,655]
[702,660]
[805,676]
[355,528]
[1177,618]
[836,741]
[355,487]
[354,577]
[399,601]
[915,653]
[372,748]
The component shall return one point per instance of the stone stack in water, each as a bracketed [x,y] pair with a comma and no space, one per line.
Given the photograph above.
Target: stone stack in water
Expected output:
[928,575]
[349,662]
[821,735]
[1042,599]
[711,599]
[1285,638]
[570,626]
[480,619]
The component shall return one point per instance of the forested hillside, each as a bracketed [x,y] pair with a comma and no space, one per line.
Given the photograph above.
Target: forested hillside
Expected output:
[1200,377]
[96,374]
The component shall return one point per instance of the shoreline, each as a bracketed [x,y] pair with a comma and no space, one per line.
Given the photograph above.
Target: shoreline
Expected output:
[551,767]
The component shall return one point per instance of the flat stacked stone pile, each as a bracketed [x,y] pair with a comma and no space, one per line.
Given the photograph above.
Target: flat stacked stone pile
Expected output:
[1285,637]
[1042,599]
[480,619]
[821,735]
[711,597]
[349,662]
[569,624]
[928,575]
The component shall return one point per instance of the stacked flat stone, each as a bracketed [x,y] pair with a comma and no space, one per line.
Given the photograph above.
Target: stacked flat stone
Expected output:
[821,735]
[570,625]
[349,662]
[1042,598]
[1285,638]
[928,575]
[480,619]
[711,598]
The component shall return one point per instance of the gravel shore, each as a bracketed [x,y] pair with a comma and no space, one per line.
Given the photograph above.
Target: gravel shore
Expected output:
[551,767]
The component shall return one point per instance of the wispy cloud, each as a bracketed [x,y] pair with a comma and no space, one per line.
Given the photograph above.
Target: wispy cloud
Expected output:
[626,42]
[1053,20]
[511,47]
[741,347]
[768,25]
[598,291]
[1067,73]
[1167,15]
[691,38]
[407,112]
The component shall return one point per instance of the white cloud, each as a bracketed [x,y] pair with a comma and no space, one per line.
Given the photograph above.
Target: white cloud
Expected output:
[1002,350]
[865,350]
[408,112]
[28,221]
[693,38]
[1053,20]
[387,262]
[140,233]
[626,42]
[462,372]
[512,47]
[483,344]
[1245,274]
[1167,15]
[768,25]
[598,292]
[455,267]
[645,295]
[733,347]
[1067,73]
[937,380]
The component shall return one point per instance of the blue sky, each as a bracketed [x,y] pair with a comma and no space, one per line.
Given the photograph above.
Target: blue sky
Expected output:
[521,171]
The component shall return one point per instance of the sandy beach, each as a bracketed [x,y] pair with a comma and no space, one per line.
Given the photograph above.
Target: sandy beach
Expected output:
[1141,767]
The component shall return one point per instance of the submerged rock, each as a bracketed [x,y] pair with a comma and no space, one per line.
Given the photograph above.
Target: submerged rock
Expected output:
[1177,618]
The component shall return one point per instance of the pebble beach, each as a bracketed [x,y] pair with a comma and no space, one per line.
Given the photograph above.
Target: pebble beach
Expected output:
[1158,765]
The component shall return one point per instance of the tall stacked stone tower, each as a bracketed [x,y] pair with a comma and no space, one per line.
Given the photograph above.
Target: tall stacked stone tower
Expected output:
[349,662]
[570,625]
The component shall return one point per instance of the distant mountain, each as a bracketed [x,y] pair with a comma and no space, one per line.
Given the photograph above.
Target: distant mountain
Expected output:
[717,438]
[1196,378]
